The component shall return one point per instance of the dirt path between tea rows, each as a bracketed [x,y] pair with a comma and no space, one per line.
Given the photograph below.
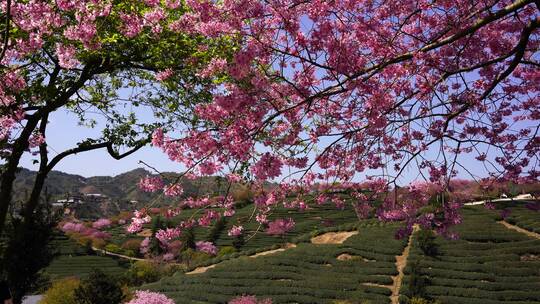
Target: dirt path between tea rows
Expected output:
[401,263]
[203,269]
[327,238]
[519,229]
[333,237]
[117,255]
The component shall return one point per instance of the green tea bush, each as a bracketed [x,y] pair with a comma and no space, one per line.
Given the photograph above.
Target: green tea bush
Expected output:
[226,250]
[484,266]
[61,292]
[142,272]
[113,248]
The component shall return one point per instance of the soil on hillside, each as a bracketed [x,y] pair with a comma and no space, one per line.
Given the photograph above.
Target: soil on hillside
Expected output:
[333,237]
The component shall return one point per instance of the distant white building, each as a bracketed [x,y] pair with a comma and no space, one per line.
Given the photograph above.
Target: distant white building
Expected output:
[525,196]
[95,195]
[71,200]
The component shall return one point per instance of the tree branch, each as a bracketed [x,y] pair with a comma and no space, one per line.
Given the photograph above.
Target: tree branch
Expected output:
[90,147]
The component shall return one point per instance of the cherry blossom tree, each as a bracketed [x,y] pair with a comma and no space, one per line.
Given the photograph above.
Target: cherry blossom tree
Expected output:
[87,57]
[324,94]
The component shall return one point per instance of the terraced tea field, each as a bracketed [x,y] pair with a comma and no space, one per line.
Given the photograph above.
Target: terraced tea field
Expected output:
[488,264]
[306,221]
[308,273]
[73,261]
[522,216]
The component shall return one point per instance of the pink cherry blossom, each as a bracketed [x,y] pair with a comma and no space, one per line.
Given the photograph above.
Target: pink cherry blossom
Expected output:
[101,223]
[267,167]
[206,247]
[280,226]
[173,190]
[132,25]
[167,235]
[134,227]
[249,300]
[145,246]
[236,230]
[36,140]
[148,297]
[151,183]
[164,75]
[66,56]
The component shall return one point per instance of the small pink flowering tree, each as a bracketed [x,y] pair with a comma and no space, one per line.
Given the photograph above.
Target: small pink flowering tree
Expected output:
[249,300]
[148,297]
[101,224]
[206,247]
[280,226]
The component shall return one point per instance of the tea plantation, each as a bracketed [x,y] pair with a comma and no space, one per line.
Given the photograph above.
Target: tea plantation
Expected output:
[306,221]
[488,264]
[306,274]
[72,260]
[521,216]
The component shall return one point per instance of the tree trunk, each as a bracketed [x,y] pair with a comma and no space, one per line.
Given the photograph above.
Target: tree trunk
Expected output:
[41,176]
[33,201]
[8,176]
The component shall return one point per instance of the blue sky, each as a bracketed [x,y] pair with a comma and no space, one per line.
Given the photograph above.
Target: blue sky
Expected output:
[64,133]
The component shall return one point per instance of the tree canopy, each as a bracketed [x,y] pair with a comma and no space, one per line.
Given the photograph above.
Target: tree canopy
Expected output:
[115,59]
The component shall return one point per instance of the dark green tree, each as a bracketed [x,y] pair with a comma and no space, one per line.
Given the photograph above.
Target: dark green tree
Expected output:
[426,242]
[27,251]
[99,288]
[188,239]
[238,241]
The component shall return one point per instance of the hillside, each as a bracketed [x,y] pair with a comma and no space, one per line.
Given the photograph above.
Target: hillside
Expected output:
[116,193]
[122,187]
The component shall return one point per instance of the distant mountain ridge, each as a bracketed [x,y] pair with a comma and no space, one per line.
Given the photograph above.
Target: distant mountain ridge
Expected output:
[121,187]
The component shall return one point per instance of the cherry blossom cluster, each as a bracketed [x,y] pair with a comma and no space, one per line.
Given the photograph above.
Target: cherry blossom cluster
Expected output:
[148,297]
[236,230]
[101,224]
[66,33]
[280,226]
[324,75]
[140,218]
[318,96]
[165,236]
[81,229]
[249,300]
[206,247]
